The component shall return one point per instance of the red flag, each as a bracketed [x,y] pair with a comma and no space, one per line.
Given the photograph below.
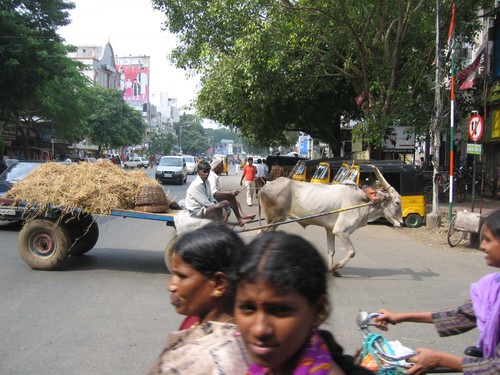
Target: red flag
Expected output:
[452,24]
[468,76]
[360,99]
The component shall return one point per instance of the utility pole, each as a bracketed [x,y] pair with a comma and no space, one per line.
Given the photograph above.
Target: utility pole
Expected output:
[433,219]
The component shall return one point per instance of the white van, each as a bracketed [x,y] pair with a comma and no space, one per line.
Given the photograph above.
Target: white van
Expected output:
[171,169]
[190,164]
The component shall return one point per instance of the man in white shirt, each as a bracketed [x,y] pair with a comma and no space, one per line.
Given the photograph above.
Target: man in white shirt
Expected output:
[226,195]
[261,176]
[200,201]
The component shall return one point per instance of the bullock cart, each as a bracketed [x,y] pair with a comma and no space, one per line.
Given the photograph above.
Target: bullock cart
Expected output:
[46,241]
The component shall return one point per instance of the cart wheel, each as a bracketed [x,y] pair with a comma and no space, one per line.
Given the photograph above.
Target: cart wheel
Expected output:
[169,252]
[413,221]
[43,244]
[84,233]
[454,235]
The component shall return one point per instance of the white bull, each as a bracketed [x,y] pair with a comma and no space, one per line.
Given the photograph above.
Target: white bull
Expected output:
[285,198]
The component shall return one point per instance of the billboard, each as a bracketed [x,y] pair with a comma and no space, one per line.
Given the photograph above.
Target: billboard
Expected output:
[304,145]
[399,139]
[134,82]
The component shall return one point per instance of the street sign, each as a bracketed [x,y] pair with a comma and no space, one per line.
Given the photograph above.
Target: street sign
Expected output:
[476,128]
[474,148]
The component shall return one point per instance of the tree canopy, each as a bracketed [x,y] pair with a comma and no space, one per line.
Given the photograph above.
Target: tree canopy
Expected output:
[299,65]
[191,135]
[161,144]
[31,52]
[113,123]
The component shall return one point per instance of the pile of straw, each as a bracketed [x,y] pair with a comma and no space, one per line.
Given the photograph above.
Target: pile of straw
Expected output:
[93,187]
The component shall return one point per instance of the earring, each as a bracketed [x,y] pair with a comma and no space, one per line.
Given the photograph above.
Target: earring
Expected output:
[216,293]
[319,319]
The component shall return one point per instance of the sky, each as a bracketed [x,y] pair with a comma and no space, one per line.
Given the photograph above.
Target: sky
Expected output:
[134,29]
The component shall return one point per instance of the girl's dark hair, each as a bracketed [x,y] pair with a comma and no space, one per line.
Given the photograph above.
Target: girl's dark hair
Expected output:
[493,223]
[210,249]
[285,261]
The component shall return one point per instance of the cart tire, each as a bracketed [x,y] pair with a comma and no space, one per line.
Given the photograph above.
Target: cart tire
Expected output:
[169,252]
[84,235]
[43,244]
[454,235]
[413,221]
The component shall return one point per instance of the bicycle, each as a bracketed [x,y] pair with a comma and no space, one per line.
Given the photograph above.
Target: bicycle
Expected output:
[459,189]
[389,357]
[462,225]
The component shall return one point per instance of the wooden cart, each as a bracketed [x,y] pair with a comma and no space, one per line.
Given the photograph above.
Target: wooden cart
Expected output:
[463,225]
[46,242]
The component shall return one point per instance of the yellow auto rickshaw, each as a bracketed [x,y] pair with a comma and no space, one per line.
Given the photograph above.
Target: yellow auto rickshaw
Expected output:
[224,163]
[407,179]
[305,170]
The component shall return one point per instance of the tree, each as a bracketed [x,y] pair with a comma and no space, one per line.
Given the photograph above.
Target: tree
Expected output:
[161,144]
[31,51]
[113,123]
[299,65]
[192,138]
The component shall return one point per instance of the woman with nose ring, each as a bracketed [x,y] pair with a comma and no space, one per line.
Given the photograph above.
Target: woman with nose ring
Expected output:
[204,266]
[281,301]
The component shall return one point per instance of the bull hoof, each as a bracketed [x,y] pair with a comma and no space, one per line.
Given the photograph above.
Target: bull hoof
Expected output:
[336,273]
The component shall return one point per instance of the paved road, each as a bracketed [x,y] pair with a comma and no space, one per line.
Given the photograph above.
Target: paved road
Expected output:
[109,313]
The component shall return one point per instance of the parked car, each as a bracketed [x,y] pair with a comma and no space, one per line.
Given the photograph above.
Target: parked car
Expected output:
[171,169]
[9,162]
[136,162]
[190,164]
[9,209]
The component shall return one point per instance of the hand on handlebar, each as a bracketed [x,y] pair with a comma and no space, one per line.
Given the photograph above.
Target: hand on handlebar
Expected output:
[385,317]
[424,361]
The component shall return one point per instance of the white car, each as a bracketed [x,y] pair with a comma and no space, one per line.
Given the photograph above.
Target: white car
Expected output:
[190,164]
[136,162]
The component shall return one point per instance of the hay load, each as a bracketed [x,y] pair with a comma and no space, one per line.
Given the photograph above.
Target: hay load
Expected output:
[93,187]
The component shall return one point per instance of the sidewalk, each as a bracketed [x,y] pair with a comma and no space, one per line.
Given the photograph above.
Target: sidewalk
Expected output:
[484,206]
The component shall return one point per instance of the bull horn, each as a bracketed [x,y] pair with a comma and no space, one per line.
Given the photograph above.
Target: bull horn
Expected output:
[381,178]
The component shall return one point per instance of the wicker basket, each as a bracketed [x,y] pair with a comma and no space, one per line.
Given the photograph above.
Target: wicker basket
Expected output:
[151,198]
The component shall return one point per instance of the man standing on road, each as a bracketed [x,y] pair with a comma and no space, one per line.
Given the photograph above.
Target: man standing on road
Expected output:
[199,200]
[229,195]
[248,175]
[261,177]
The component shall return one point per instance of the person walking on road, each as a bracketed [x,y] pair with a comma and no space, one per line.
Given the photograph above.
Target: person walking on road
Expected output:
[248,175]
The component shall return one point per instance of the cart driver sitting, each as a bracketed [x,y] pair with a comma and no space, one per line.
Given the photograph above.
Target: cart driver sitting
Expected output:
[200,202]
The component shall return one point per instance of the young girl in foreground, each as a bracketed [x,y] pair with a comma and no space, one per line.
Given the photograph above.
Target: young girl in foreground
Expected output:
[482,311]
[281,301]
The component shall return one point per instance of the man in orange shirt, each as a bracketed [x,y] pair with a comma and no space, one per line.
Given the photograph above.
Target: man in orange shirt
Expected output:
[249,173]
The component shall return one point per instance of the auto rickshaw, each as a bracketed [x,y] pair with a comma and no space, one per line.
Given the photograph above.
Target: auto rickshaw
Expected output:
[224,163]
[407,179]
[304,170]
[284,163]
